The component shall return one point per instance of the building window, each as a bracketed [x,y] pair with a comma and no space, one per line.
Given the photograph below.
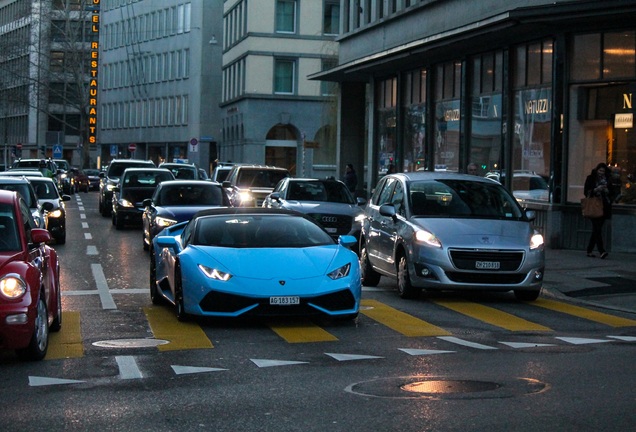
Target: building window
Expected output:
[447,115]
[328,88]
[386,96]
[486,112]
[284,71]
[414,123]
[532,114]
[286,16]
[331,21]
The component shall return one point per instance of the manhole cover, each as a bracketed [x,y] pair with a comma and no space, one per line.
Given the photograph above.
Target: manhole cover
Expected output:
[421,387]
[130,343]
[449,386]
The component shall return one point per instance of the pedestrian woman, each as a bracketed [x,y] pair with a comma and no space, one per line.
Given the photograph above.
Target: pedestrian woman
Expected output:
[599,184]
[350,178]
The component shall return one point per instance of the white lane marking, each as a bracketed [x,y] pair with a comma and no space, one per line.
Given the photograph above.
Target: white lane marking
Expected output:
[35,381]
[82,216]
[80,208]
[349,357]
[624,338]
[102,287]
[416,352]
[91,250]
[462,342]
[128,368]
[525,344]
[112,291]
[261,363]
[88,236]
[582,341]
[182,370]
[85,225]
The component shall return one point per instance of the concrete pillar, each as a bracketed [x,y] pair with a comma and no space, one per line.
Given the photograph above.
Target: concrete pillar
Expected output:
[351,131]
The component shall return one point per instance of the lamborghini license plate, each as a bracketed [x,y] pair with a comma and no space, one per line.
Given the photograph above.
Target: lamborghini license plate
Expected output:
[284,300]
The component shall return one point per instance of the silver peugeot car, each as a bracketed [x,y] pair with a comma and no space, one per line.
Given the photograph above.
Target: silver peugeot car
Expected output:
[446,231]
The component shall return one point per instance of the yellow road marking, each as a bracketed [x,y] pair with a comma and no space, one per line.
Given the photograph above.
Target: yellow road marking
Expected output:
[399,321]
[491,316]
[299,332]
[588,314]
[67,343]
[182,335]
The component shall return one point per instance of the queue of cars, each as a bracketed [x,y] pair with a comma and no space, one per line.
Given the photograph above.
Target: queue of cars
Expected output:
[224,249]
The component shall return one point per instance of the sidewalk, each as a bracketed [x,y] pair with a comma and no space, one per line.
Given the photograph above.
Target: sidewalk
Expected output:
[609,283]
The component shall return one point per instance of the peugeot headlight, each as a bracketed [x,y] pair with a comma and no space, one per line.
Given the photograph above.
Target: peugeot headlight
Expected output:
[536,241]
[12,286]
[125,203]
[215,274]
[340,272]
[164,222]
[110,187]
[429,238]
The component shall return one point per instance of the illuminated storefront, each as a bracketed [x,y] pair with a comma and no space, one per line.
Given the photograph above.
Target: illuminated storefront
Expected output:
[536,103]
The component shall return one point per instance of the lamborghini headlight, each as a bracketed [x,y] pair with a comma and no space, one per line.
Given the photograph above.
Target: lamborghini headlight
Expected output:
[215,274]
[12,286]
[164,222]
[340,272]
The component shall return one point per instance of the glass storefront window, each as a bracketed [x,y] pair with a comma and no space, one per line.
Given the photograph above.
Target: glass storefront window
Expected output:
[601,127]
[532,128]
[386,125]
[618,55]
[602,131]
[531,142]
[447,116]
[486,113]
[414,123]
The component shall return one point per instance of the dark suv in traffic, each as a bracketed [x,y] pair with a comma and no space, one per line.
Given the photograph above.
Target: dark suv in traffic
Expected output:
[110,179]
[136,185]
[249,185]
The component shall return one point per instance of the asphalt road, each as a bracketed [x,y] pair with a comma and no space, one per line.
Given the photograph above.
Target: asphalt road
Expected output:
[439,363]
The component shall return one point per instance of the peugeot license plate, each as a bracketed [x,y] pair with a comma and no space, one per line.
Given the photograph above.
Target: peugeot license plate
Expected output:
[487,265]
[284,300]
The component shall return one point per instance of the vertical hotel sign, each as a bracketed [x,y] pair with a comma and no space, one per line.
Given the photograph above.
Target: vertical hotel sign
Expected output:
[93,8]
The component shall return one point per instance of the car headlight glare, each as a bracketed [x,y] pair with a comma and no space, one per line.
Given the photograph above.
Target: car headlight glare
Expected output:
[215,274]
[164,222]
[125,203]
[245,196]
[360,217]
[110,187]
[340,272]
[536,241]
[428,238]
[55,213]
[12,286]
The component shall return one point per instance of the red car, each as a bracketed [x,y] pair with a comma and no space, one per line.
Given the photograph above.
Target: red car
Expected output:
[30,297]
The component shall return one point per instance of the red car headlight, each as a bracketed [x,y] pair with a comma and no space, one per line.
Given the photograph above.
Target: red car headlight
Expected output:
[12,286]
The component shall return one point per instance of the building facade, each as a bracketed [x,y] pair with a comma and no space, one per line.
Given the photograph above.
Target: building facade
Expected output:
[538,89]
[271,112]
[44,75]
[160,75]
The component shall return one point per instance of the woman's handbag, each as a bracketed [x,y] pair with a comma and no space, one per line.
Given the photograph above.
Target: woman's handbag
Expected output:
[592,207]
